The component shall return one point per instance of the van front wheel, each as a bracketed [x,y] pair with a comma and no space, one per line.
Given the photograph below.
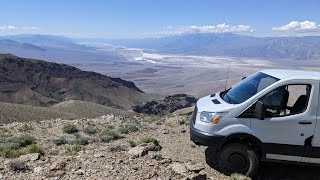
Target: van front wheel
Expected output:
[238,158]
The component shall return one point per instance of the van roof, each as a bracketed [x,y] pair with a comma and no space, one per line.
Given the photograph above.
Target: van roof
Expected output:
[292,74]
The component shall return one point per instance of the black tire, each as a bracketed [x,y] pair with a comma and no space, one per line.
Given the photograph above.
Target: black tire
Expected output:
[238,158]
[211,157]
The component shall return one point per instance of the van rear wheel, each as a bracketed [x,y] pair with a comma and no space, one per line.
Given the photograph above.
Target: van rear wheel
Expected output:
[238,158]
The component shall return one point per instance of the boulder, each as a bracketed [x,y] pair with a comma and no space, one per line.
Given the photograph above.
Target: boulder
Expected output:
[194,167]
[141,149]
[30,157]
[179,168]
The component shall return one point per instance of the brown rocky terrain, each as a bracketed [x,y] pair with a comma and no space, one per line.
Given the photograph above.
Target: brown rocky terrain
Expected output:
[99,158]
[115,147]
[167,105]
[40,83]
[72,109]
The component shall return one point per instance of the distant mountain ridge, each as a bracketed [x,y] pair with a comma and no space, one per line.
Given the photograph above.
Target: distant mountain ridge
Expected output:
[41,83]
[56,49]
[73,51]
[227,44]
[8,45]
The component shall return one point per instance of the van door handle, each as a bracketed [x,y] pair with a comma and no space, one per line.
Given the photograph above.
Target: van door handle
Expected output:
[305,122]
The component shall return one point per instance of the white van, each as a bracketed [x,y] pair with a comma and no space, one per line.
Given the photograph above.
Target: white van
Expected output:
[269,116]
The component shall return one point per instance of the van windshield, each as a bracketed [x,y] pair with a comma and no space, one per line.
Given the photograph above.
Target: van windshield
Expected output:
[248,88]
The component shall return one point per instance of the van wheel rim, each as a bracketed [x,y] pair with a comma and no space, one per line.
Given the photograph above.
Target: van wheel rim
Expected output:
[238,163]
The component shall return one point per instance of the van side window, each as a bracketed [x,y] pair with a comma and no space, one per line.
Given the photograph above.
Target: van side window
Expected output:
[283,101]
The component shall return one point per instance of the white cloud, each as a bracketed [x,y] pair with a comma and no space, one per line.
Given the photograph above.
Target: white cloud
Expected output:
[219,28]
[5,27]
[296,26]
[30,28]
[10,27]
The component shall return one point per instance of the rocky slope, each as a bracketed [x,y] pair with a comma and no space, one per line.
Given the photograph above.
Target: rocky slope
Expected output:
[40,83]
[100,159]
[103,148]
[167,105]
[72,109]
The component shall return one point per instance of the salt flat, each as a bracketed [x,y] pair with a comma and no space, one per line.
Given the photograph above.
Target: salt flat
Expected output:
[194,75]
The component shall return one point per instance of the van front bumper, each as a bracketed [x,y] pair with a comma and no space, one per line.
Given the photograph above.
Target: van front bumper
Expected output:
[203,138]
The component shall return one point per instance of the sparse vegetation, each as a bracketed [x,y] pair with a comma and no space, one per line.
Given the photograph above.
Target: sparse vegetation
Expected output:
[81,140]
[108,135]
[23,140]
[193,146]
[110,127]
[90,129]
[145,140]
[4,134]
[59,141]
[70,128]
[8,151]
[158,120]
[127,128]
[13,147]
[72,150]
[34,148]
[17,165]
[25,128]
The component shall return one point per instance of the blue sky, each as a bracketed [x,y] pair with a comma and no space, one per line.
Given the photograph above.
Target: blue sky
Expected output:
[143,18]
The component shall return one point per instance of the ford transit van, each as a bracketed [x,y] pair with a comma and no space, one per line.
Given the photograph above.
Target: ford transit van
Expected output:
[272,115]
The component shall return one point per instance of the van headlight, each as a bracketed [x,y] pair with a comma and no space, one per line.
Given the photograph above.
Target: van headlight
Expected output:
[208,117]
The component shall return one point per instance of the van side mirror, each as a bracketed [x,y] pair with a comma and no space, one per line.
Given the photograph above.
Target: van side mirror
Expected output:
[243,78]
[260,110]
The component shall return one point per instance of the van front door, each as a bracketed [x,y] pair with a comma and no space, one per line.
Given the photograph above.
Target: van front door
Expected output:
[288,128]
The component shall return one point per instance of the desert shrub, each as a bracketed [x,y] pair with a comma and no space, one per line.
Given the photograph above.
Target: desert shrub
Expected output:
[25,128]
[59,141]
[81,141]
[127,128]
[7,151]
[193,146]
[23,140]
[17,165]
[108,135]
[70,128]
[33,148]
[4,132]
[109,127]
[132,143]
[72,150]
[145,140]
[90,129]
[158,120]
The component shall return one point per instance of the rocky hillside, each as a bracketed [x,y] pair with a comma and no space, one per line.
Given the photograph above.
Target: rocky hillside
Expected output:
[40,83]
[116,147]
[72,109]
[108,147]
[166,106]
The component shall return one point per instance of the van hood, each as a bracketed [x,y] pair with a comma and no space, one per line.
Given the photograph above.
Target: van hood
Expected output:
[213,103]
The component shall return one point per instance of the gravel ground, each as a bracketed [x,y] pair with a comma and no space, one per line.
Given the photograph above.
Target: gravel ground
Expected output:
[179,158]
